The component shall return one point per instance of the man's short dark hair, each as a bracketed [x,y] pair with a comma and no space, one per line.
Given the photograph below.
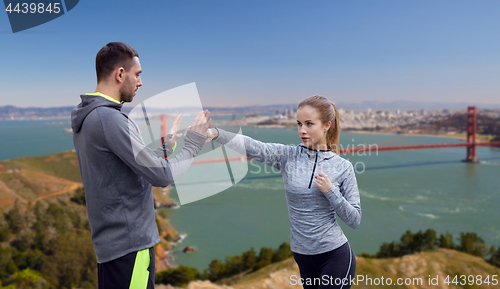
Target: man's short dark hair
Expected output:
[111,56]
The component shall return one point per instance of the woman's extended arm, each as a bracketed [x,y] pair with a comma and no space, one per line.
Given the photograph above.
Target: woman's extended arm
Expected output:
[345,200]
[272,154]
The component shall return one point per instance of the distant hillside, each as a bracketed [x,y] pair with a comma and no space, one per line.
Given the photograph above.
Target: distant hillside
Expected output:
[10,112]
[485,124]
[62,165]
[30,179]
[31,186]
[412,105]
[418,266]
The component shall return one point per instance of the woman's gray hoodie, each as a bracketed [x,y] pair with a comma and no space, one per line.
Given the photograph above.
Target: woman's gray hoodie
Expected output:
[313,226]
[118,171]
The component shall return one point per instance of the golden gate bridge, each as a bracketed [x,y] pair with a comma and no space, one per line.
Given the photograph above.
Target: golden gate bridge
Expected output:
[471,144]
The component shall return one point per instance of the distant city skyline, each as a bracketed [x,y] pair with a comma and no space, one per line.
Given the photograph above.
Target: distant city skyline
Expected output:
[243,53]
[24,113]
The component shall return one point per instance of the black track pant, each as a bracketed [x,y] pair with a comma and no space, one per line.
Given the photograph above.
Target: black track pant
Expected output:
[333,269]
[132,271]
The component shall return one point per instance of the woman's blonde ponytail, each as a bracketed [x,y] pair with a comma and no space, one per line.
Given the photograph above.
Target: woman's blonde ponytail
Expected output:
[332,136]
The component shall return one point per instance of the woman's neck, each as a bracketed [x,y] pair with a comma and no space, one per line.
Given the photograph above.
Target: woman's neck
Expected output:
[320,146]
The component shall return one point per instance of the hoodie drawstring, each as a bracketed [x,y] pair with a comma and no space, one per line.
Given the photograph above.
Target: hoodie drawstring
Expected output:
[314,168]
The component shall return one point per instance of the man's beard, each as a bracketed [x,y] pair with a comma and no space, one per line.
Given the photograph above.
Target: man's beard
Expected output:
[126,94]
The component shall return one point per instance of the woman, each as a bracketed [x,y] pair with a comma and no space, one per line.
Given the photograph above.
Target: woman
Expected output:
[318,184]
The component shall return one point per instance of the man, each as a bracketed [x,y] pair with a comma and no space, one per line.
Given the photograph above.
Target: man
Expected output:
[118,170]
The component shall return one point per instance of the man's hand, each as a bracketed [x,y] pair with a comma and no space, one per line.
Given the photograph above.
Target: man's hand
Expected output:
[173,131]
[200,124]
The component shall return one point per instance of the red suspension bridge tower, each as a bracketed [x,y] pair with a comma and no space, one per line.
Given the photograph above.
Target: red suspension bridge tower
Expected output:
[471,135]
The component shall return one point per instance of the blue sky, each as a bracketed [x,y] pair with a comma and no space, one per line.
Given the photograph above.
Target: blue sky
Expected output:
[264,52]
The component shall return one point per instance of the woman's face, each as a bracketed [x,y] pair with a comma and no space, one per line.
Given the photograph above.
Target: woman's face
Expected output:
[311,130]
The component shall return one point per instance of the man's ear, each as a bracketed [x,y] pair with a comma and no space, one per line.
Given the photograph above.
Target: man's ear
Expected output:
[120,74]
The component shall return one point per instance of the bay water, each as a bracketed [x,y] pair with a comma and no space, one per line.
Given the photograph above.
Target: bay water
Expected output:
[400,190]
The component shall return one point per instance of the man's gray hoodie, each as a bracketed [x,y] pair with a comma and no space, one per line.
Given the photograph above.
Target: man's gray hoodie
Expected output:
[118,171]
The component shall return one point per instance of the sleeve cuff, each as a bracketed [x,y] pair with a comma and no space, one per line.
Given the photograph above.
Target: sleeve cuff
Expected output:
[224,136]
[218,132]
[195,138]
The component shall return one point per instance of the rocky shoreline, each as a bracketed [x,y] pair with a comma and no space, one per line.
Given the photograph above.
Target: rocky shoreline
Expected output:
[169,237]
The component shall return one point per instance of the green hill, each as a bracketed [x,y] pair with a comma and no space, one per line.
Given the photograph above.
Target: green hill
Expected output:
[411,268]
[30,179]
[62,165]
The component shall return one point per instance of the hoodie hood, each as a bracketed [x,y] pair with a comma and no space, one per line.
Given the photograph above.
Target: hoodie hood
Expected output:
[88,104]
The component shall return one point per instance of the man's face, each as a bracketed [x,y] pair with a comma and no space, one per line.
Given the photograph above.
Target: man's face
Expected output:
[132,81]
